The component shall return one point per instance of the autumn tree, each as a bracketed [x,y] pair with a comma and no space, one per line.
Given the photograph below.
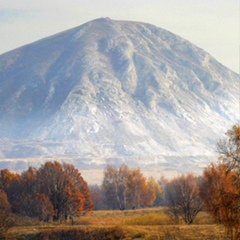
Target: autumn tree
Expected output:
[220,195]
[65,188]
[135,185]
[140,191]
[127,188]
[4,203]
[81,199]
[6,218]
[115,186]
[11,184]
[157,190]
[98,197]
[33,203]
[182,198]
[229,148]
[221,183]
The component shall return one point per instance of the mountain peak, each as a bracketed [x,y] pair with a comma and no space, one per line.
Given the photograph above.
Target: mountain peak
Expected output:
[114,90]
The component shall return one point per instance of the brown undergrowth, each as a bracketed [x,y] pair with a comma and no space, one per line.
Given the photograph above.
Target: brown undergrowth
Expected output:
[149,224]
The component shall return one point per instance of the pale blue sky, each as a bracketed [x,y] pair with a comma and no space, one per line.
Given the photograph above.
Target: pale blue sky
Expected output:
[210,24]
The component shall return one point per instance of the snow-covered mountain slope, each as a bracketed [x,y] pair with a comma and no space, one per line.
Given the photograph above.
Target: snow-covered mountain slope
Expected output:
[111,90]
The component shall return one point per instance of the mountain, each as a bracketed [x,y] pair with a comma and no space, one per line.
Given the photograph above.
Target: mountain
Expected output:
[111,92]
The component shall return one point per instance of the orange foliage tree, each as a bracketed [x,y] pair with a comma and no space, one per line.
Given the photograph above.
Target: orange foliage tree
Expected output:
[4,203]
[156,190]
[65,188]
[128,188]
[221,196]
[9,194]
[33,203]
[221,184]
[11,184]
[55,190]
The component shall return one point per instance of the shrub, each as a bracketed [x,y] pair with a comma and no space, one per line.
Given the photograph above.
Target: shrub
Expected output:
[83,234]
[6,222]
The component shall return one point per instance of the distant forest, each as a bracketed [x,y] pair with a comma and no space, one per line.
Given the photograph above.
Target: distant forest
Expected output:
[57,192]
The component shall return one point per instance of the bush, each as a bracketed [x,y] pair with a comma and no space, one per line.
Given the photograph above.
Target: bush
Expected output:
[21,221]
[86,234]
[6,222]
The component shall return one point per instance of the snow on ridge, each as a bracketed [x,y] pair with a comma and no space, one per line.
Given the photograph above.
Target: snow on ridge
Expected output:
[117,89]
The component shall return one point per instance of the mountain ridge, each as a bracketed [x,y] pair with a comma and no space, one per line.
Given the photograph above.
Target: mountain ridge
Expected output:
[115,90]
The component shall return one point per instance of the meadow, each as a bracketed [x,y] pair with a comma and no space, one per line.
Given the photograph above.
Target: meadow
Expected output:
[149,224]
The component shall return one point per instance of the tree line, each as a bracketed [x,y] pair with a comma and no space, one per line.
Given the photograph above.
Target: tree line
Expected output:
[57,191]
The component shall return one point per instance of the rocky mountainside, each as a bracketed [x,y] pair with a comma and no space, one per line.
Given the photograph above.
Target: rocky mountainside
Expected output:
[114,91]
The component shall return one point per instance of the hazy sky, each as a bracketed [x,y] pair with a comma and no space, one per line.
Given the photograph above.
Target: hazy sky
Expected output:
[210,24]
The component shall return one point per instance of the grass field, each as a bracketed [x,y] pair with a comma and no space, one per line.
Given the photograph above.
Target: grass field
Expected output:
[134,224]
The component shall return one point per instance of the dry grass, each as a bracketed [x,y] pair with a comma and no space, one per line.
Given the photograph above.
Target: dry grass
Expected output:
[146,224]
